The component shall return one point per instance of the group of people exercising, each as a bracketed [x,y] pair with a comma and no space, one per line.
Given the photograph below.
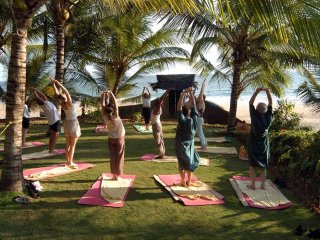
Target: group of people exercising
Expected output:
[190,111]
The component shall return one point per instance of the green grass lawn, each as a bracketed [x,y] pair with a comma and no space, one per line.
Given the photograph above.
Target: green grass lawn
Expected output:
[149,211]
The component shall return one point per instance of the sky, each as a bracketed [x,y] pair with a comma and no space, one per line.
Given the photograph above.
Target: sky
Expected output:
[178,68]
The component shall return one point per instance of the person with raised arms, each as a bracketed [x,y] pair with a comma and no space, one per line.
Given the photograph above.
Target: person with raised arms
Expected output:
[258,141]
[200,108]
[116,133]
[156,124]
[71,124]
[146,104]
[188,158]
[50,111]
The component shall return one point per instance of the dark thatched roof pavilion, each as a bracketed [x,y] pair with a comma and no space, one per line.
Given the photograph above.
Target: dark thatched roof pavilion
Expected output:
[176,82]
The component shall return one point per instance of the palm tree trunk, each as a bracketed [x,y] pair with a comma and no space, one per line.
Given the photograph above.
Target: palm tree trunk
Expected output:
[116,86]
[60,55]
[11,176]
[235,92]
[60,51]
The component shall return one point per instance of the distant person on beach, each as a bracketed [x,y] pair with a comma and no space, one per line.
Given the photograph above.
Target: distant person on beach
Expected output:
[188,158]
[116,133]
[200,108]
[50,111]
[146,103]
[25,124]
[71,124]
[156,123]
[258,141]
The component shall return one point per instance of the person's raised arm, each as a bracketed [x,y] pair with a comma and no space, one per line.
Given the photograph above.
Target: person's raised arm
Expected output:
[163,98]
[56,90]
[143,90]
[180,101]
[103,104]
[253,98]
[39,95]
[64,90]
[192,100]
[269,97]
[148,92]
[113,98]
[202,91]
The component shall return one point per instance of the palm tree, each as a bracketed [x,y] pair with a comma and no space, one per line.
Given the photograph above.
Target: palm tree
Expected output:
[254,74]
[23,12]
[244,45]
[121,43]
[60,11]
[11,176]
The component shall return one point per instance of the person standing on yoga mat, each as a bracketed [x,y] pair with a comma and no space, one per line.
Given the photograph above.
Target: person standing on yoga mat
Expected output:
[146,110]
[188,158]
[50,111]
[258,141]
[156,123]
[200,108]
[116,133]
[71,124]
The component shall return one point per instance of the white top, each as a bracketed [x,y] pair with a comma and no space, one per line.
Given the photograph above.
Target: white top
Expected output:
[146,102]
[50,111]
[26,113]
[155,119]
[115,128]
[71,113]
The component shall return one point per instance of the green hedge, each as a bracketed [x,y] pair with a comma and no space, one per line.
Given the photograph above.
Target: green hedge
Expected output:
[296,150]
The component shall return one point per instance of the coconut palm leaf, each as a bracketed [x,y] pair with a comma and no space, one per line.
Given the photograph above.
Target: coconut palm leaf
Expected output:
[309,92]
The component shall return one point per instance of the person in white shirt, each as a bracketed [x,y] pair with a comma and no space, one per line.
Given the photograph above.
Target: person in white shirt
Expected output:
[116,133]
[25,124]
[146,104]
[71,124]
[50,111]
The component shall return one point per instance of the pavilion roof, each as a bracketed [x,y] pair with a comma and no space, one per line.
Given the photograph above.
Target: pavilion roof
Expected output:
[174,81]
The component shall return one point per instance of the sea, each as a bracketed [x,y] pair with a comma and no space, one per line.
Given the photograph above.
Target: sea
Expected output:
[215,92]
[219,92]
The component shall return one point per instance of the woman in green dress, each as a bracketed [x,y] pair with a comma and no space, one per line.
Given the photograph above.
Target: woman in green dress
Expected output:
[258,142]
[188,158]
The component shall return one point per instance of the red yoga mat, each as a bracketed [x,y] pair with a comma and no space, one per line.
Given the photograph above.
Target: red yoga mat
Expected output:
[93,196]
[81,166]
[169,180]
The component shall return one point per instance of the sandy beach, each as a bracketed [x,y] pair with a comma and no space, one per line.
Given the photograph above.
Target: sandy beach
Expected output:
[309,118]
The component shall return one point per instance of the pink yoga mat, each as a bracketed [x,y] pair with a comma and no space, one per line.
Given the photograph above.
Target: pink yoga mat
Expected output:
[29,145]
[100,129]
[251,203]
[34,144]
[31,156]
[152,157]
[93,196]
[81,166]
[149,157]
[169,180]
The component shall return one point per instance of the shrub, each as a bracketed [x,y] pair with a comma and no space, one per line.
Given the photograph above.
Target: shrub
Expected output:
[136,116]
[93,117]
[297,151]
[284,117]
